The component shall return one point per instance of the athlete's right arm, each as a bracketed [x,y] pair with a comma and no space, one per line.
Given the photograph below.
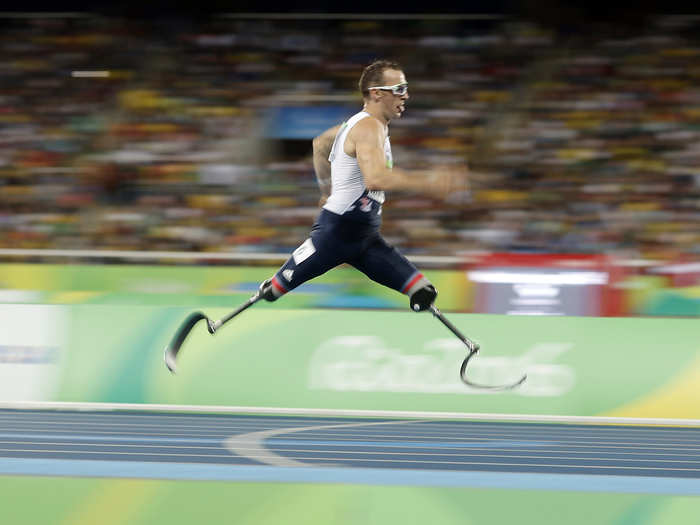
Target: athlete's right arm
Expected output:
[322,147]
[368,138]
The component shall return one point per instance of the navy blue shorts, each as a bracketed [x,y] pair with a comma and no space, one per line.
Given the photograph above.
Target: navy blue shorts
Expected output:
[337,239]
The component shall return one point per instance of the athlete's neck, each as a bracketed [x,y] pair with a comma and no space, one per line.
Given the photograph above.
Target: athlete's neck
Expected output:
[376,113]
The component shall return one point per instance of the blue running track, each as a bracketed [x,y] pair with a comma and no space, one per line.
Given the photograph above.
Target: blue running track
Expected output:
[421,452]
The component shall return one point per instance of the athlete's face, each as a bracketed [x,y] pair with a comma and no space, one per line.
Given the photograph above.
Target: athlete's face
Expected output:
[393,105]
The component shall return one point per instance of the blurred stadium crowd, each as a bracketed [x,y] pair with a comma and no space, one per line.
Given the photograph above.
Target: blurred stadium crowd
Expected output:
[147,135]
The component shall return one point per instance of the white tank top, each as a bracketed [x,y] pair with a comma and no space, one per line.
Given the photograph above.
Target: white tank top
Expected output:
[347,183]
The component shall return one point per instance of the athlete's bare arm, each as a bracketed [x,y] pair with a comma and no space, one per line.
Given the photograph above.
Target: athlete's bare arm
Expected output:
[322,147]
[366,142]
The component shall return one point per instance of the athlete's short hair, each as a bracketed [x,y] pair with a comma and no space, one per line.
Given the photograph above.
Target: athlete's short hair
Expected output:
[373,75]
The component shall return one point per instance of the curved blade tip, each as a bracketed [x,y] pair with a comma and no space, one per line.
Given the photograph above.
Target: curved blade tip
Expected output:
[169,359]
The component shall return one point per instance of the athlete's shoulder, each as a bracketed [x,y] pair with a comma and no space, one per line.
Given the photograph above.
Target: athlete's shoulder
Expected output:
[369,127]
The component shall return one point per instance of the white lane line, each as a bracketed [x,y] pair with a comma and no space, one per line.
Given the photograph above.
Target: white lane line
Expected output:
[441,431]
[500,437]
[112,445]
[444,452]
[219,422]
[255,447]
[349,436]
[219,409]
[668,433]
[265,456]
[465,454]
[90,424]
[269,414]
[155,421]
[545,445]
[362,437]
[659,434]
[123,433]
[491,444]
[540,428]
[238,444]
[628,436]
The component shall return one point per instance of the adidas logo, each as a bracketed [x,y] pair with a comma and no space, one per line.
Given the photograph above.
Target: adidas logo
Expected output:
[287,274]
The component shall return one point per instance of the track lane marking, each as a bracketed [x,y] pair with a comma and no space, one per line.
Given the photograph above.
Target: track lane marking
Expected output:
[647,457]
[573,443]
[412,453]
[337,413]
[456,429]
[237,444]
[264,456]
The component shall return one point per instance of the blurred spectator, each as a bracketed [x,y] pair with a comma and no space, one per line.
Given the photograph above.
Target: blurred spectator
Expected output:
[119,134]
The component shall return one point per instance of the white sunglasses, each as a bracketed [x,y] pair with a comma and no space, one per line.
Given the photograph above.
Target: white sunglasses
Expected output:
[396,89]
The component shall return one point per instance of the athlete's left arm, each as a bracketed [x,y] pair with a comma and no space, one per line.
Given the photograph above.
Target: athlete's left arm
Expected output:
[322,147]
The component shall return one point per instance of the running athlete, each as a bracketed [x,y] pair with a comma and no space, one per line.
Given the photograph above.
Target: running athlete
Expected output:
[354,167]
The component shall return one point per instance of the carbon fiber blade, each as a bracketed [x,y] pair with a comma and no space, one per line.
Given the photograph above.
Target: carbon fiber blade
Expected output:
[175,345]
[495,388]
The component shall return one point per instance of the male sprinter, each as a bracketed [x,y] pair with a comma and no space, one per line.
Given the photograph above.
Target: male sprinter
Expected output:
[353,164]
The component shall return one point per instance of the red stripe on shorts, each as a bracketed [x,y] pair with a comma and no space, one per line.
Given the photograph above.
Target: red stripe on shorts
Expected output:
[277,285]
